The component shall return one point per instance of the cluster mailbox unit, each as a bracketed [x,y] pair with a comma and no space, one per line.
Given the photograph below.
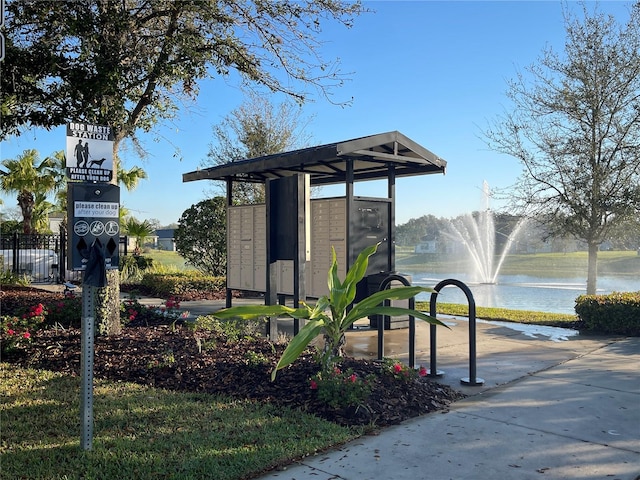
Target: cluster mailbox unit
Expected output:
[247,243]
[283,246]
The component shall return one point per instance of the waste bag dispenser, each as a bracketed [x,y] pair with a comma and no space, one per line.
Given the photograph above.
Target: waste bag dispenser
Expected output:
[373,285]
[94,223]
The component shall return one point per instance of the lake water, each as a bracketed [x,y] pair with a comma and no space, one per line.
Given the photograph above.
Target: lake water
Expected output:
[523,292]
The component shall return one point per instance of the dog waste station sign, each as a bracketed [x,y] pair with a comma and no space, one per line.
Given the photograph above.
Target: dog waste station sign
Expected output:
[89,152]
[93,217]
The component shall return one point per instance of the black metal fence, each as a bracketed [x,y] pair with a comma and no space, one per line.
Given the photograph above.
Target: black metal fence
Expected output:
[42,258]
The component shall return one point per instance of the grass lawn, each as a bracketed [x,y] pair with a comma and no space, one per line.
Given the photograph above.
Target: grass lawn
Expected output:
[167,259]
[504,315]
[146,433]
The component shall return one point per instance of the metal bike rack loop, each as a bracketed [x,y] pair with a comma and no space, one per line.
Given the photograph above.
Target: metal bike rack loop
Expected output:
[472,380]
[412,321]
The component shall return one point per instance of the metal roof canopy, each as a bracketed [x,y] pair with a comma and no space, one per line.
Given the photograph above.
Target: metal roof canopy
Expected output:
[370,158]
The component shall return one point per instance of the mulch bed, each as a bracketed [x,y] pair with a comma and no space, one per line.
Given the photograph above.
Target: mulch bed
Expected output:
[182,360]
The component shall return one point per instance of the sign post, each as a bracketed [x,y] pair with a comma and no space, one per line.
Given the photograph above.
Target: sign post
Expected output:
[93,243]
[94,211]
[86,360]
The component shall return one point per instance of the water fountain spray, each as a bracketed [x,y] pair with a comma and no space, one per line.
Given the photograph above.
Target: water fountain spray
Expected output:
[478,235]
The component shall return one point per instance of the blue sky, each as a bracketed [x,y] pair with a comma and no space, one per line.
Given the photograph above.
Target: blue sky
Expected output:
[436,71]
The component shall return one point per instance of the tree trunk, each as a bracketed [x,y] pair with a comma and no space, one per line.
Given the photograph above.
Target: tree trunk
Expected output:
[26,202]
[592,268]
[108,306]
[110,321]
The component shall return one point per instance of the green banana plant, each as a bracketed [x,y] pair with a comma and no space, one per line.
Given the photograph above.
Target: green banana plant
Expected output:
[331,315]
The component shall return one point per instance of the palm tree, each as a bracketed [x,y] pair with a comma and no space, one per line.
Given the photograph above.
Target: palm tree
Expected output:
[129,178]
[59,159]
[41,210]
[138,230]
[28,176]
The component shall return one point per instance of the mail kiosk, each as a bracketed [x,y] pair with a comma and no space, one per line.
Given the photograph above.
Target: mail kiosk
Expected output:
[283,247]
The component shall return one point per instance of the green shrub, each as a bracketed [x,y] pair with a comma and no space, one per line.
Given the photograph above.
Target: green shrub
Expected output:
[341,389]
[133,313]
[65,311]
[617,313]
[181,283]
[231,330]
[133,267]
[256,359]
[15,330]
[7,277]
[402,372]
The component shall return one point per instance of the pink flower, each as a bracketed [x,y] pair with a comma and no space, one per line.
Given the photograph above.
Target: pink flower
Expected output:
[337,371]
[353,378]
[313,385]
[11,332]
[422,372]
[397,368]
[26,335]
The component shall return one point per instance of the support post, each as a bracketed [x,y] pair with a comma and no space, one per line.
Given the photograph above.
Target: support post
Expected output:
[229,294]
[302,252]
[349,177]
[391,232]
[271,294]
[86,362]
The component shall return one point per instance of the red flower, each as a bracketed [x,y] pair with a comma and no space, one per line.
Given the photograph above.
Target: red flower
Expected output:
[26,335]
[11,332]
[422,372]
[314,385]
[353,378]
[38,309]
[172,303]
[397,368]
